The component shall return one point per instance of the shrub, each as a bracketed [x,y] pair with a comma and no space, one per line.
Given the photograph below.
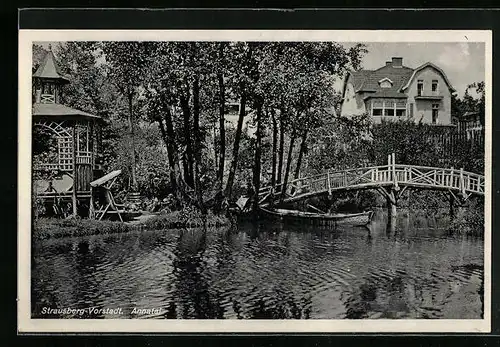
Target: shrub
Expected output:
[469,220]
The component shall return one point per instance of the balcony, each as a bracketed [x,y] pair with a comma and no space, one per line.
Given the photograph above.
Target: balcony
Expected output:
[432,95]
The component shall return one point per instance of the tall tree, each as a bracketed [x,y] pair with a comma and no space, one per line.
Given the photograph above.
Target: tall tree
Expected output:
[242,68]
[221,64]
[127,62]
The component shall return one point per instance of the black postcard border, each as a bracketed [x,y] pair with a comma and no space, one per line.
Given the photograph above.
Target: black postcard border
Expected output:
[334,19]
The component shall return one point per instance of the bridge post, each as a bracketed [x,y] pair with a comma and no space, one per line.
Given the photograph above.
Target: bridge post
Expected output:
[393,169]
[462,183]
[330,202]
[391,195]
[392,210]
[329,183]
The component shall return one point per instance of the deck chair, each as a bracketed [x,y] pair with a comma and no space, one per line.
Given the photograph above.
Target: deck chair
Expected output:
[110,207]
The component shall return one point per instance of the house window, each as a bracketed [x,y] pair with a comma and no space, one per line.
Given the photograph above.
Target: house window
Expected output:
[411,109]
[388,108]
[420,87]
[400,108]
[434,86]
[435,113]
[385,83]
[377,108]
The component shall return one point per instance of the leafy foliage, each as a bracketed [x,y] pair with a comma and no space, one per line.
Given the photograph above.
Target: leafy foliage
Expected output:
[353,142]
[163,101]
[468,103]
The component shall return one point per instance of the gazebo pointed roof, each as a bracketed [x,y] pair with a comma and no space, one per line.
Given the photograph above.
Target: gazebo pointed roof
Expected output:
[50,69]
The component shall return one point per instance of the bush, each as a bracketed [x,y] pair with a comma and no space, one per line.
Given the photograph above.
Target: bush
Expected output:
[469,220]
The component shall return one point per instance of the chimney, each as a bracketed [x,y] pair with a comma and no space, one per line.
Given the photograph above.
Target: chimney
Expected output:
[397,61]
[388,63]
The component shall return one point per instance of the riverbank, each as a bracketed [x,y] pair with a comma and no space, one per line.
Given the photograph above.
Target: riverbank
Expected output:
[47,228]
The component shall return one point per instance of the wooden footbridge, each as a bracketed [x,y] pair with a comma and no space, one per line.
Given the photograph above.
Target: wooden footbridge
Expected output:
[390,180]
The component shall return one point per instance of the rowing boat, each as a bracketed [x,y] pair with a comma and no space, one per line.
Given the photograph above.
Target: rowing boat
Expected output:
[356,219]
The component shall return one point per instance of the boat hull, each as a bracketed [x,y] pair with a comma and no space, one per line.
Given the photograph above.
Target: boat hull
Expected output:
[354,219]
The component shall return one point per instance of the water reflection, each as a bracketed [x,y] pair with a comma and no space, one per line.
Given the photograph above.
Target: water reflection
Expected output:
[266,272]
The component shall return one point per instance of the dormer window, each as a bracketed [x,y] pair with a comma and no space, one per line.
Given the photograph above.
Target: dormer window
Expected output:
[385,83]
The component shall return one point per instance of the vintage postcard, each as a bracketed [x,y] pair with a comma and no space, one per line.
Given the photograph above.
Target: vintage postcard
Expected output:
[254,181]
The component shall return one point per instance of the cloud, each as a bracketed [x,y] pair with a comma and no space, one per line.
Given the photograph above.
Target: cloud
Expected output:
[455,56]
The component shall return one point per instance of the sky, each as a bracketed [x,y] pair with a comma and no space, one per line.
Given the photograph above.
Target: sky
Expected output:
[463,62]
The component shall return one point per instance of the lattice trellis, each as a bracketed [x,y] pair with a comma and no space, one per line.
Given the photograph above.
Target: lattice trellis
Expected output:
[86,144]
[65,145]
[57,127]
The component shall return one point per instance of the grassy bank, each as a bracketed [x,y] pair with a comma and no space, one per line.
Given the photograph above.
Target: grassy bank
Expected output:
[46,228]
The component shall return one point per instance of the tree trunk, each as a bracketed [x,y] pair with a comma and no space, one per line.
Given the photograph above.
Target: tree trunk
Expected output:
[215,143]
[168,135]
[130,119]
[236,145]
[257,158]
[301,155]
[274,154]
[287,170]
[281,150]
[222,130]
[303,146]
[188,163]
[197,147]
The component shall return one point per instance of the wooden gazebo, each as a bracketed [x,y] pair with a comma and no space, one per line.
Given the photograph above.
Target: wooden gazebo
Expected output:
[66,172]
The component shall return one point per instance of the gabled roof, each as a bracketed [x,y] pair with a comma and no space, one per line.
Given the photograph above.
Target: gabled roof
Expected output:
[368,81]
[357,79]
[423,66]
[398,76]
[50,69]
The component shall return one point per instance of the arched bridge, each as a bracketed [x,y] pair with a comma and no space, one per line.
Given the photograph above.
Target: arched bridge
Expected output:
[390,180]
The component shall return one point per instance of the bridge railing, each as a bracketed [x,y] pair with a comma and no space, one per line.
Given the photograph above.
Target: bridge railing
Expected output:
[376,176]
[440,177]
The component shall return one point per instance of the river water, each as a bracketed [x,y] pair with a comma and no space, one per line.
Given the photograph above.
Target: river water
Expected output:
[266,271]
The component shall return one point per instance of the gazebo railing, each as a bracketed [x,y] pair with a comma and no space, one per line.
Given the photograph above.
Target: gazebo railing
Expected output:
[66,164]
[84,157]
[48,98]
